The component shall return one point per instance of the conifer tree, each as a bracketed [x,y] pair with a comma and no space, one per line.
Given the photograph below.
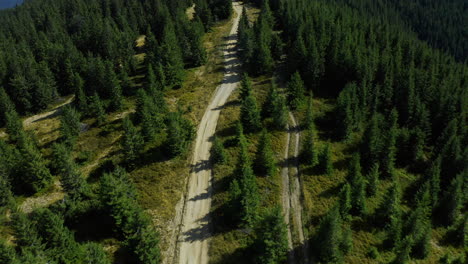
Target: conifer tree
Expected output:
[246,87]
[114,89]
[295,90]
[309,117]
[250,199]
[403,251]
[250,114]
[371,148]
[271,243]
[14,126]
[373,179]
[454,199]
[94,253]
[97,109]
[345,201]
[389,213]
[132,143]
[81,101]
[218,153]
[265,160]
[70,125]
[433,176]
[145,244]
[309,150]
[358,187]
[5,190]
[71,179]
[269,106]
[325,162]
[234,201]
[7,253]
[389,148]
[34,173]
[329,237]
[280,112]
[171,57]
[6,106]
[181,133]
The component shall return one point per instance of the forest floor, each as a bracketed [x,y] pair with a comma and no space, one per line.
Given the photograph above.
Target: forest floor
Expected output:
[195,229]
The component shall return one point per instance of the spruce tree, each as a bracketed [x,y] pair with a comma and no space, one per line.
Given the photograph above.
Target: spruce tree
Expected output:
[6,105]
[345,202]
[280,112]
[265,160]
[218,153]
[97,109]
[7,253]
[245,87]
[433,176]
[389,213]
[5,189]
[389,148]
[309,117]
[309,150]
[268,106]
[14,126]
[373,179]
[132,143]
[271,243]
[34,173]
[114,89]
[234,201]
[250,200]
[325,162]
[372,141]
[81,101]
[452,203]
[250,114]
[94,253]
[295,90]
[71,179]
[171,57]
[329,237]
[181,133]
[70,125]
[358,187]
[145,244]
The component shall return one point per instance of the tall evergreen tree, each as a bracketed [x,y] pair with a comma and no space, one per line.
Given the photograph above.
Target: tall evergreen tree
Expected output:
[329,237]
[309,149]
[132,143]
[245,87]
[325,162]
[265,160]
[271,243]
[295,90]
[14,126]
[71,179]
[345,201]
[218,153]
[358,187]
[97,109]
[34,173]
[70,124]
[373,179]
[250,114]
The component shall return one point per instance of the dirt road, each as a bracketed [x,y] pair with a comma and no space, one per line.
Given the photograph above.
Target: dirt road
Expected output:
[291,197]
[195,229]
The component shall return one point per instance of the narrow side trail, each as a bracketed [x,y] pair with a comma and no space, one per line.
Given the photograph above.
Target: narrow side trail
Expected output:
[291,197]
[194,232]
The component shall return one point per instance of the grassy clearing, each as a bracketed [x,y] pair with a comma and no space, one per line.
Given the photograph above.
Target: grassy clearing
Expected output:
[229,245]
[320,194]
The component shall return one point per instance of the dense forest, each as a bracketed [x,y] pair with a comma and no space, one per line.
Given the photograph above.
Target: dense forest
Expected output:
[399,109]
[86,49]
[380,89]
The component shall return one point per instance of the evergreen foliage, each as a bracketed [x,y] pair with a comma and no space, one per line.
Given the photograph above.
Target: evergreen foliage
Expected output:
[132,142]
[265,160]
[70,124]
[218,153]
[250,115]
[295,90]
[325,163]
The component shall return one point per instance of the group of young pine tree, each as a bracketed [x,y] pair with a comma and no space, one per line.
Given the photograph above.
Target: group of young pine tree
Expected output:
[85,48]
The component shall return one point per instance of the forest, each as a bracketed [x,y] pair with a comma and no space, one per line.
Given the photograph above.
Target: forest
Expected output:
[379,90]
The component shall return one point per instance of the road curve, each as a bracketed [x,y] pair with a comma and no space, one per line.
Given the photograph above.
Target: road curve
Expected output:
[291,197]
[195,230]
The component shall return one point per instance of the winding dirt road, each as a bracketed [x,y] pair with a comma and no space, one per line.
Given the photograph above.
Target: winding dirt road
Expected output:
[291,198]
[195,229]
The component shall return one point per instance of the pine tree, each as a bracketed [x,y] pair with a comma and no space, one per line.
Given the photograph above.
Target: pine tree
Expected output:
[71,179]
[453,199]
[358,187]
[97,109]
[389,148]
[345,201]
[389,213]
[295,90]
[373,179]
[433,176]
[5,190]
[34,173]
[234,201]
[268,106]
[149,115]
[132,143]
[81,101]
[329,237]
[372,141]
[70,124]
[94,253]
[146,245]
[14,126]
[182,132]
[309,117]
[250,200]
[265,160]
[271,244]
[250,115]
[309,150]
[246,87]
[218,153]
[6,106]
[7,253]
[403,251]
[280,113]
[325,162]
[114,90]
[171,57]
